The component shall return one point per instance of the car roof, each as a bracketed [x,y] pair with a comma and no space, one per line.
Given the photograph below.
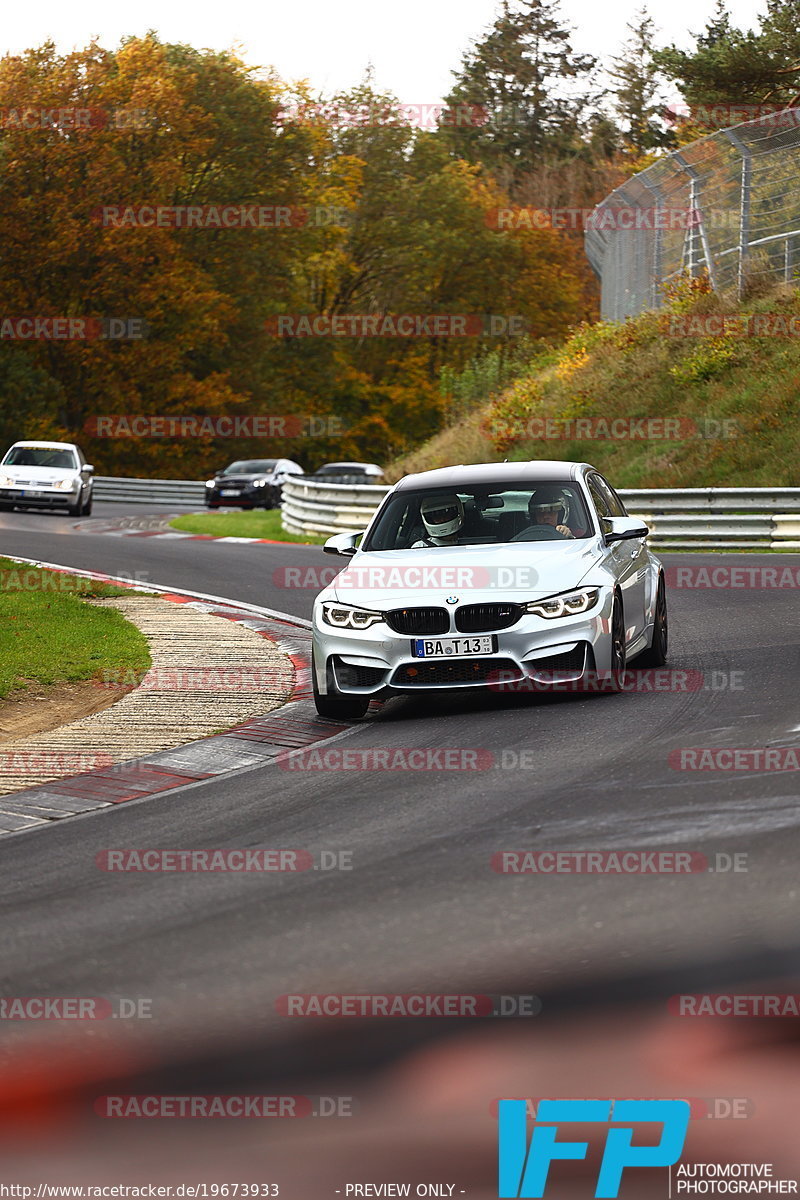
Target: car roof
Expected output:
[489,473]
[361,466]
[46,445]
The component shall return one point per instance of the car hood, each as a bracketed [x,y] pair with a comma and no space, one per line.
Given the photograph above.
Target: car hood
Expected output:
[243,477]
[39,474]
[475,574]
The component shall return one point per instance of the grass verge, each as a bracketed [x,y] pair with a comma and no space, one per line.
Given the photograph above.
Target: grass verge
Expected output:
[734,396]
[49,635]
[255,523]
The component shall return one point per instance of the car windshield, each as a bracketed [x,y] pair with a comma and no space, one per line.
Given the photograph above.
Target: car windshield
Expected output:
[488,514]
[251,466]
[40,456]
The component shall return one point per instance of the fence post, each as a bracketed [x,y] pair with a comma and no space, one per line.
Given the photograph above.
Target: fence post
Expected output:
[658,244]
[744,206]
[695,192]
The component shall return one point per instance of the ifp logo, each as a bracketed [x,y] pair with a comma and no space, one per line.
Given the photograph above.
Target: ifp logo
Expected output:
[523,1172]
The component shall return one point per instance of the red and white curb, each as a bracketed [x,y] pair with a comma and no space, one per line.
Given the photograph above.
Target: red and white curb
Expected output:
[254,743]
[110,528]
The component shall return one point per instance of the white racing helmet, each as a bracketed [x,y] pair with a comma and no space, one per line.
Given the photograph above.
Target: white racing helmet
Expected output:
[442,516]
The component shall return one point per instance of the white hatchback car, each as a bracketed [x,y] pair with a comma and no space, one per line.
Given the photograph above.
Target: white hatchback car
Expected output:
[46,475]
[488,576]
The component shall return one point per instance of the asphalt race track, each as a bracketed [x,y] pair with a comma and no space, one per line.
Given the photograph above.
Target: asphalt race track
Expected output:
[421,906]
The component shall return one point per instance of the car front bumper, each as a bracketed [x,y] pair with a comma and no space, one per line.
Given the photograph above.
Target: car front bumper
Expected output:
[39,497]
[246,498]
[377,661]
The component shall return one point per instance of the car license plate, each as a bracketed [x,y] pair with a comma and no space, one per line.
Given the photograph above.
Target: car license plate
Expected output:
[32,492]
[229,492]
[451,647]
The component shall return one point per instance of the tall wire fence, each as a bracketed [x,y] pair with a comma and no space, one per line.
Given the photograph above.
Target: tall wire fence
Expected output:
[727,204]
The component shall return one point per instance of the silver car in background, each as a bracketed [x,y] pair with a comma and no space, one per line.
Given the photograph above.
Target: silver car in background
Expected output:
[491,576]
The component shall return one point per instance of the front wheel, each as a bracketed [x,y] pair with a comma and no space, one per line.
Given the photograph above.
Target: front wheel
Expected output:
[75,510]
[334,705]
[614,680]
[656,654]
[87,508]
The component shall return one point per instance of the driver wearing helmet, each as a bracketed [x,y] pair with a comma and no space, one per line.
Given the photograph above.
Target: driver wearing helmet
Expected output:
[443,518]
[549,505]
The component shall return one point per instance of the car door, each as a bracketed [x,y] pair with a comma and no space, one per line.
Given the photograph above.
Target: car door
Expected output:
[628,559]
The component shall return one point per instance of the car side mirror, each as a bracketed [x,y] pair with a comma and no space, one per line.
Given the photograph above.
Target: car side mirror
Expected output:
[622,529]
[342,543]
[88,468]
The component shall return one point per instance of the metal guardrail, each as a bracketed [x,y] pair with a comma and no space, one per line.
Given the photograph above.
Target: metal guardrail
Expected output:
[728,204]
[679,518]
[718,518]
[149,491]
[308,506]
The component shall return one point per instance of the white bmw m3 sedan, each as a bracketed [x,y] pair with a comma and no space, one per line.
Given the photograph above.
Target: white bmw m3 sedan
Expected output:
[488,576]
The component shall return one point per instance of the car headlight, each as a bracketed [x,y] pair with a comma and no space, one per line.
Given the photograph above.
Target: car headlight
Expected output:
[66,485]
[345,616]
[7,481]
[211,483]
[259,483]
[567,605]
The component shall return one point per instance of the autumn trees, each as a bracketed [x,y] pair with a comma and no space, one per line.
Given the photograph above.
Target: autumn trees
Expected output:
[382,218]
[122,173]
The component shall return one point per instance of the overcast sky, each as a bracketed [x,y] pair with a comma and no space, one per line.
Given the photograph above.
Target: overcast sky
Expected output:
[413,45]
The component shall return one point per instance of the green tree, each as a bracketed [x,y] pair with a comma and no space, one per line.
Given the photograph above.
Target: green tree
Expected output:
[532,87]
[734,66]
[637,82]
